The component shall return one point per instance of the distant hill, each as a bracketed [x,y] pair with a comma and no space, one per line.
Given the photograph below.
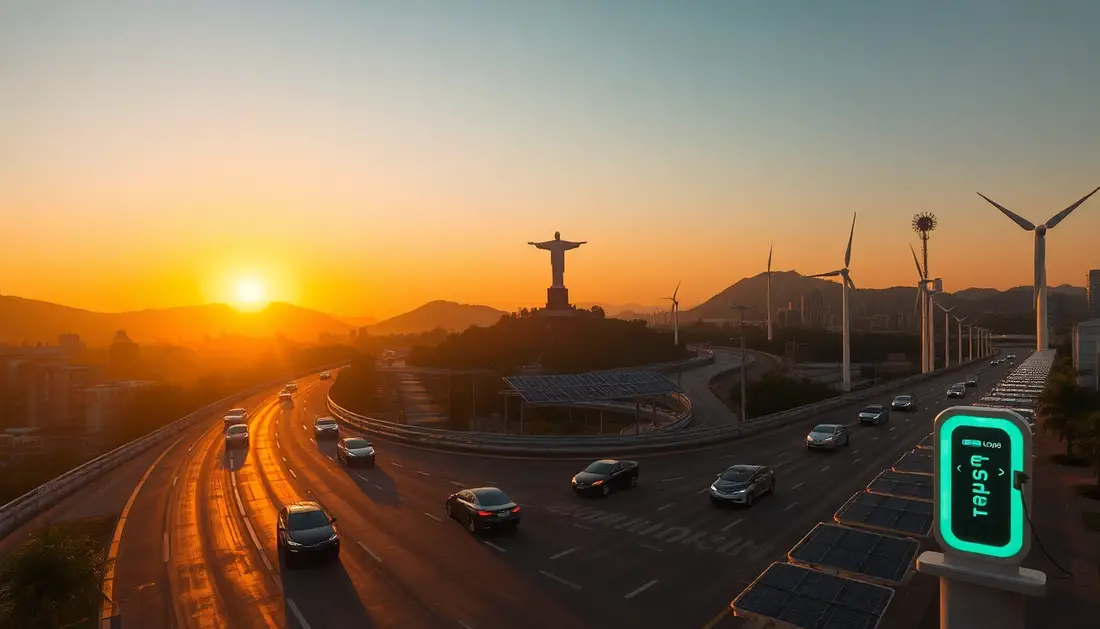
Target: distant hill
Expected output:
[448,315]
[625,311]
[31,321]
[357,322]
[789,287]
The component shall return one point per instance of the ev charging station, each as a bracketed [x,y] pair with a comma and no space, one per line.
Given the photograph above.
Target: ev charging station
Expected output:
[982,500]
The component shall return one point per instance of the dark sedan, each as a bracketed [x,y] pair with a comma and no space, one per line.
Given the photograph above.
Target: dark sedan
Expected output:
[905,403]
[326,428]
[957,390]
[353,451]
[874,414]
[305,530]
[483,508]
[605,475]
[742,484]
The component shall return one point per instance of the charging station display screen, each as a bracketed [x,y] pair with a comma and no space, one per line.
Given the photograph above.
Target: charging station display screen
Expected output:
[981,481]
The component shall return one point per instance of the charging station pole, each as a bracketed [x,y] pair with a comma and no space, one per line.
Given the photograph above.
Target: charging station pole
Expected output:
[982,497]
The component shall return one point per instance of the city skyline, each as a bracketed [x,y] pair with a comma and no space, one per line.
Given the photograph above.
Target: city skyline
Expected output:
[179,155]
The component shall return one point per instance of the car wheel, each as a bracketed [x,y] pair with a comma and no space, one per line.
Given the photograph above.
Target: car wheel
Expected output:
[771,488]
[471,526]
[634,480]
[606,489]
[448,509]
[751,499]
[847,441]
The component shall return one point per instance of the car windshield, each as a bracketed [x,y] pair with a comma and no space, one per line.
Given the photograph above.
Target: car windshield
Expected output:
[599,467]
[303,520]
[737,475]
[873,409]
[355,444]
[238,429]
[491,497]
[825,428]
[903,398]
[326,422]
[235,412]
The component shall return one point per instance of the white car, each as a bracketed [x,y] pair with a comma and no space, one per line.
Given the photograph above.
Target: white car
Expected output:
[236,435]
[235,416]
[325,375]
[326,428]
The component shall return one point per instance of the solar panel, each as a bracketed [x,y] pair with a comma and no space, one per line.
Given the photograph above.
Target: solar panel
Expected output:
[926,443]
[887,513]
[902,485]
[916,461]
[597,385]
[805,599]
[847,552]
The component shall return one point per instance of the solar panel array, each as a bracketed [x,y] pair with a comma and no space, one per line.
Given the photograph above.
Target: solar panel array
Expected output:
[850,552]
[902,485]
[806,599]
[902,516]
[588,387]
[916,461]
[926,443]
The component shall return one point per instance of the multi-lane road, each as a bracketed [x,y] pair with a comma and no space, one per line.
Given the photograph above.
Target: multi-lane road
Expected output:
[197,546]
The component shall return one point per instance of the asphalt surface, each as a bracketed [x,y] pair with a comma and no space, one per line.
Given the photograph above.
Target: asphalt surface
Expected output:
[198,549]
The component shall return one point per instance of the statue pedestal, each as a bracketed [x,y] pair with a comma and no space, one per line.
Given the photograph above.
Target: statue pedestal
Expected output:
[557,302]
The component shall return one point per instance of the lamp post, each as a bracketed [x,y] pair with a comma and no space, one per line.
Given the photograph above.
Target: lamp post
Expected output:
[744,399]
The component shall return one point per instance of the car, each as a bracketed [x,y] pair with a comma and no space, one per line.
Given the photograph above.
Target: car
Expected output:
[875,414]
[483,508]
[304,530]
[353,451]
[957,390]
[742,484]
[1012,356]
[286,396]
[971,381]
[325,375]
[326,428]
[994,362]
[234,416]
[291,386]
[828,436]
[605,475]
[906,402]
[236,436]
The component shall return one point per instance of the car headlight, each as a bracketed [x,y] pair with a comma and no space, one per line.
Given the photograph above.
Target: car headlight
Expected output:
[713,488]
[574,480]
[290,542]
[333,538]
[809,438]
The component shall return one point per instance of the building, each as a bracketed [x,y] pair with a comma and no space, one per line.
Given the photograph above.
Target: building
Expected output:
[69,345]
[104,403]
[1086,348]
[817,314]
[906,322]
[125,360]
[1092,292]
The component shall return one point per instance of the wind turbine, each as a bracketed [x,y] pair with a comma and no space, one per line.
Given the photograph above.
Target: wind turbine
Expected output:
[769,292]
[922,303]
[959,336]
[970,339]
[1039,292]
[675,316]
[946,334]
[846,324]
[932,287]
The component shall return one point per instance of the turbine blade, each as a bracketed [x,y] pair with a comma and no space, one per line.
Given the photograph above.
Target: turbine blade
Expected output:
[1060,216]
[916,261]
[829,274]
[769,257]
[855,293]
[848,251]
[1016,218]
[916,302]
[676,291]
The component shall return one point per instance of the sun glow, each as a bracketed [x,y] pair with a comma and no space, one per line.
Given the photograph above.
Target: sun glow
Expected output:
[250,295]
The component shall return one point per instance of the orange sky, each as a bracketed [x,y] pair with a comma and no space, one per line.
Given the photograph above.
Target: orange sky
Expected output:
[162,159]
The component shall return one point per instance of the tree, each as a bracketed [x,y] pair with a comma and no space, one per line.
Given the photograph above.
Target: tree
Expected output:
[1088,433]
[51,581]
[1062,406]
[598,311]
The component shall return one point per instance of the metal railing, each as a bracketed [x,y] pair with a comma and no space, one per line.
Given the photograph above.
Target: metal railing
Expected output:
[653,441]
[22,509]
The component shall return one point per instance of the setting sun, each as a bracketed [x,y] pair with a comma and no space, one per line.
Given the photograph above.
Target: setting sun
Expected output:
[250,295]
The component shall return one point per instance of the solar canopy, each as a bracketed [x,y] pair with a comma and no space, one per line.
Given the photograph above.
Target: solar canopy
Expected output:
[853,553]
[916,461]
[590,387]
[805,599]
[902,485]
[887,513]
[926,443]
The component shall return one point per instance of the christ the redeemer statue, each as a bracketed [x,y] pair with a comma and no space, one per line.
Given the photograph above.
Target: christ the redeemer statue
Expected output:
[557,248]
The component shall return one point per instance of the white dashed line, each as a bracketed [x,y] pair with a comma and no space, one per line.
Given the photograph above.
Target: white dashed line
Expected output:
[495,547]
[799,485]
[490,482]
[857,460]
[292,473]
[304,428]
[297,613]
[313,441]
[284,459]
[583,528]
[376,486]
[826,468]
[166,549]
[565,552]
[277,444]
[568,584]
[668,506]
[674,478]
[732,524]
[370,552]
[640,589]
[893,429]
[790,506]
[874,438]
[422,473]
[457,484]
[192,446]
[647,546]
[233,480]
[433,516]
[463,625]
[174,479]
[396,463]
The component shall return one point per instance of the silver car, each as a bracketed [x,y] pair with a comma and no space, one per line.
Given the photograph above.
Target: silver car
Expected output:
[326,428]
[742,484]
[828,436]
[957,390]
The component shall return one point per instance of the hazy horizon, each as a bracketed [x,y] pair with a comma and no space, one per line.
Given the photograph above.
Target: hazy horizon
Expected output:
[367,158]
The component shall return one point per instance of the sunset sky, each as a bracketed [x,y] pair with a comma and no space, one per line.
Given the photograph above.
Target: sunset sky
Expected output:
[364,157]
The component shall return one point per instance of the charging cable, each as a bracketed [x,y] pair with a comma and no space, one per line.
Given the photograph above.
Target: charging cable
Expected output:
[1019,479]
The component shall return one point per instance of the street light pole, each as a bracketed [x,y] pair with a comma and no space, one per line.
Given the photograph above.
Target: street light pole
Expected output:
[744,398]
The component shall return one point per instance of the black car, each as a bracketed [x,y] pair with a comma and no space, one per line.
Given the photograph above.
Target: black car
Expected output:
[957,390]
[906,402]
[972,381]
[602,476]
[874,414]
[742,484]
[483,508]
[353,451]
[305,530]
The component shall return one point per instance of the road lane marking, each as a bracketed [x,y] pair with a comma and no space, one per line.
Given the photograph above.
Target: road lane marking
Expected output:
[875,438]
[674,478]
[669,505]
[433,516]
[313,441]
[490,482]
[585,528]
[653,548]
[292,473]
[457,484]
[703,490]
[233,480]
[297,613]
[284,459]
[640,589]
[568,584]
[422,473]
[240,505]
[732,524]
[166,549]
[256,541]
[396,463]
[370,552]
[494,546]
[376,485]
[565,552]
[717,620]
[858,459]
[174,479]
[363,478]
[463,625]
[790,506]
[893,429]
[277,444]
[799,485]
[826,468]
[304,428]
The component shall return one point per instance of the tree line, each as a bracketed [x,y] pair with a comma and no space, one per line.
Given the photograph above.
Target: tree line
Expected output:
[1072,413]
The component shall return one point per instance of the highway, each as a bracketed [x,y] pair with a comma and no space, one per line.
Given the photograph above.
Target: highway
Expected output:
[198,545]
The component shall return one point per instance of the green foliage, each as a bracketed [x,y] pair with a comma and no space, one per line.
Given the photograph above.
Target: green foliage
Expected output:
[52,581]
[585,342]
[775,392]
[1063,405]
[1088,434]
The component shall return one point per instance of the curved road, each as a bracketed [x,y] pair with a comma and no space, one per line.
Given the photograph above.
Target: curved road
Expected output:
[198,545]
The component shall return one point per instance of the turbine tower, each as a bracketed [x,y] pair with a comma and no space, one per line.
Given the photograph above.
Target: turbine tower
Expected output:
[934,289]
[769,292]
[846,284]
[946,334]
[922,296]
[1039,292]
[970,339]
[959,336]
[675,316]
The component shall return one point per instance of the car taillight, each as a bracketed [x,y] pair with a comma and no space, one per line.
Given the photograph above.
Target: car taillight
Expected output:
[516,510]
[485,513]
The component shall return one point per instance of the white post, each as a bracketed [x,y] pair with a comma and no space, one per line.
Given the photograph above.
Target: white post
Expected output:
[845,357]
[946,339]
[959,338]
[769,300]
[1041,324]
[970,340]
[931,332]
[923,329]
